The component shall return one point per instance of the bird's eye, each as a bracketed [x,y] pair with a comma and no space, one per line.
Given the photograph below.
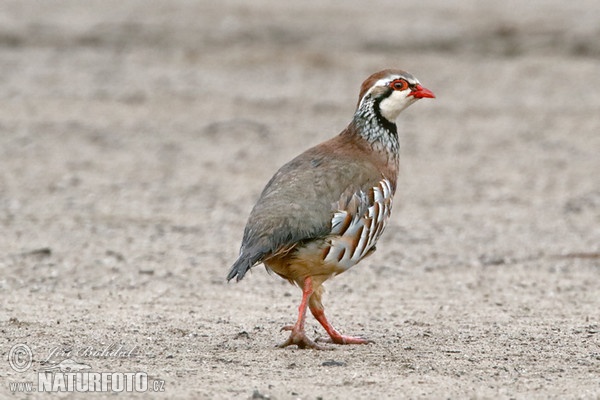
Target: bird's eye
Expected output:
[399,84]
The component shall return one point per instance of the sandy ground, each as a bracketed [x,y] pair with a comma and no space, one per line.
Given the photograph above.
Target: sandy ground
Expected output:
[135,137]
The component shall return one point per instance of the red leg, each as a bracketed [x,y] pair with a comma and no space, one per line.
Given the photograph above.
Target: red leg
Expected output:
[317,311]
[298,336]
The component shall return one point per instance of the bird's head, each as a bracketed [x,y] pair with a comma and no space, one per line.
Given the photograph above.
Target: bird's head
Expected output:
[388,92]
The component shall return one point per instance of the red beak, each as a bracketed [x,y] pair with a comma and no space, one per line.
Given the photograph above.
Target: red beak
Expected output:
[421,92]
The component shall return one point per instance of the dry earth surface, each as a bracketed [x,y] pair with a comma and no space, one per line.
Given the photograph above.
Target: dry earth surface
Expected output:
[135,137]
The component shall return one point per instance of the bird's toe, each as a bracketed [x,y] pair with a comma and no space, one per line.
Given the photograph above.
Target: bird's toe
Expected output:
[300,339]
[343,339]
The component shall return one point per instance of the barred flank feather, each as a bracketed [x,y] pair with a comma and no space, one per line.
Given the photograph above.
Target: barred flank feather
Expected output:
[358,224]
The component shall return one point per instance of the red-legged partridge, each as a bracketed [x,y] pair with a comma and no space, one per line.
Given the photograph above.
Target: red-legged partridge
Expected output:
[324,211]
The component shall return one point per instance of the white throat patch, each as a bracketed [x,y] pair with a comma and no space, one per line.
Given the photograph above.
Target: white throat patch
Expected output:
[396,102]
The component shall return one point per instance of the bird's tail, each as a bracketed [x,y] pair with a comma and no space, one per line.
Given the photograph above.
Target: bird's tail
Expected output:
[242,265]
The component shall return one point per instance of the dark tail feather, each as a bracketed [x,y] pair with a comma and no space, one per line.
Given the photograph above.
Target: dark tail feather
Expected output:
[242,265]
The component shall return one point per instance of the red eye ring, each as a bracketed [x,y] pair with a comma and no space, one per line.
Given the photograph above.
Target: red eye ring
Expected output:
[399,84]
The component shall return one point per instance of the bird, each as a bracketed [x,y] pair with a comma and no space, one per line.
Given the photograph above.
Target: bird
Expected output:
[324,211]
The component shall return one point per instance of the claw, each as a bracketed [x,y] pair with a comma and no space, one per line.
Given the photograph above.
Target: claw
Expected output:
[300,339]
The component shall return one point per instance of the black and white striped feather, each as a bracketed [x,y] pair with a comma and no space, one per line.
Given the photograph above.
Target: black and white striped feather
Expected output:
[358,223]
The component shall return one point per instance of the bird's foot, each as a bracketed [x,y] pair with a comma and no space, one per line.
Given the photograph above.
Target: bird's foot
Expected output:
[342,339]
[298,337]
[334,336]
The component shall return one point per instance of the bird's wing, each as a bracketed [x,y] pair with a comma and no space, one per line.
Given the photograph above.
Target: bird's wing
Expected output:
[305,199]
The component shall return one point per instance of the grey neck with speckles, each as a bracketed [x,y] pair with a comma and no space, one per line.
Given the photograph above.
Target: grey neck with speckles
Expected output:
[375,129]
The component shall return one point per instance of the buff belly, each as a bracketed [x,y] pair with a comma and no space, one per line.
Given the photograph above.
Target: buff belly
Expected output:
[304,261]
